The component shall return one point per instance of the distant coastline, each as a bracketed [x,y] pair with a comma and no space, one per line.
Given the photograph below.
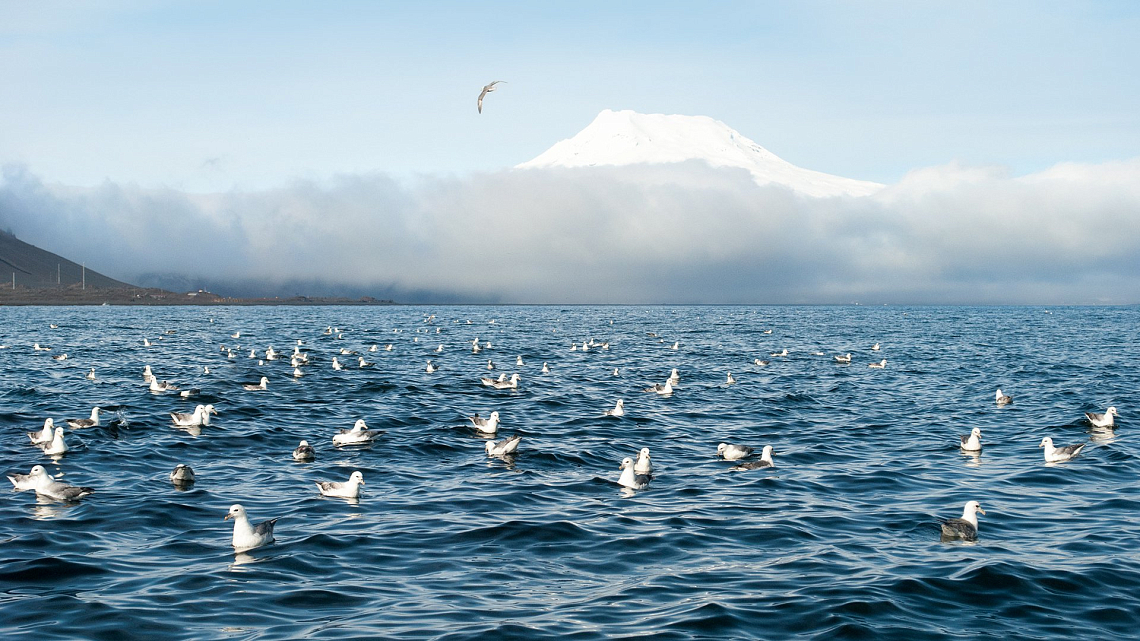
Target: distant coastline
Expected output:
[143,296]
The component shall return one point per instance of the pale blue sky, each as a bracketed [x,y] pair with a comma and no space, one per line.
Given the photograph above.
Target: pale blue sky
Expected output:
[205,96]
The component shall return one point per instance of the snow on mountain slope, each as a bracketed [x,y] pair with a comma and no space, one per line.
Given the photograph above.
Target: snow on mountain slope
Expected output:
[628,137]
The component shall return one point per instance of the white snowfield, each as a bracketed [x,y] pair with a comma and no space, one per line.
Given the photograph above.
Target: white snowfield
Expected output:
[628,138]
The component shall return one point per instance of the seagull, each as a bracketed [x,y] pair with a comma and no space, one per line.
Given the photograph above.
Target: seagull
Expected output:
[77,423]
[248,536]
[161,386]
[29,481]
[182,475]
[490,365]
[486,90]
[545,368]
[200,416]
[36,347]
[347,490]
[91,374]
[45,435]
[60,357]
[56,444]
[674,377]
[363,363]
[503,447]
[336,364]
[519,361]
[264,384]
[1102,420]
[663,390]
[304,452]
[765,461]
[880,365]
[1058,454]
[875,348]
[52,489]
[733,452]
[643,465]
[973,442]
[730,379]
[430,368]
[1002,399]
[631,479]
[843,359]
[486,425]
[618,410]
[146,342]
[760,362]
[513,383]
[355,436]
[783,352]
[965,528]
[297,373]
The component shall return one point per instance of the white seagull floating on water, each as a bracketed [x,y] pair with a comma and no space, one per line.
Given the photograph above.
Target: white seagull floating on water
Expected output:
[880,365]
[52,489]
[263,385]
[355,436]
[503,447]
[304,452]
[765,461]
[1002,399]
[486,425]
[29,481]
[77,423]
[55,445]
[631,479]
[973,441]
[346,490]
[1102,420]
[730,452]
[246,535]
[182,475]
[643,464]
[1058,454]
[45,435]
[618,410]
[965,528]
[200,416]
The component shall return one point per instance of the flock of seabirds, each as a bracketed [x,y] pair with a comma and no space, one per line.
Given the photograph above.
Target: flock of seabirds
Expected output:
[636,473]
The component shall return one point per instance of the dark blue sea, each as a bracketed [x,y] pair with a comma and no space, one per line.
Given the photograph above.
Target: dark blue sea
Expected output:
[839,540]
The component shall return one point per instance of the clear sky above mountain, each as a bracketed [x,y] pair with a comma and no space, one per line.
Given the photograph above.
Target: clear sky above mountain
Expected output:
[207,96]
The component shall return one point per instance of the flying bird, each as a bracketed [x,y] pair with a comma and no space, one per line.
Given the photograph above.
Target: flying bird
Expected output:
[486,90]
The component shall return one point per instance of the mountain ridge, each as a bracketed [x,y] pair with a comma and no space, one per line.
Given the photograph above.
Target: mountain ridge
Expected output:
[617,138]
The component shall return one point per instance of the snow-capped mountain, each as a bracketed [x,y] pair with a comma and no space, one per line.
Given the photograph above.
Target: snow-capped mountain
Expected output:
[628,137]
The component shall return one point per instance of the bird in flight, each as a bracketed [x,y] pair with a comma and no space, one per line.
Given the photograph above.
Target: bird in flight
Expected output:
[486,90]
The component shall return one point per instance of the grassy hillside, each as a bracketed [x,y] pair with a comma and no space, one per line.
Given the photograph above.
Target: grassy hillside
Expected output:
[36,268]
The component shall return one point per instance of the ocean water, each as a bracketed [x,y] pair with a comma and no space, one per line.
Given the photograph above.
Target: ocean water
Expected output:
[839,540]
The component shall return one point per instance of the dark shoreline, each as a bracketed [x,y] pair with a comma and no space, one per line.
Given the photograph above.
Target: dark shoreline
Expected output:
[62,296]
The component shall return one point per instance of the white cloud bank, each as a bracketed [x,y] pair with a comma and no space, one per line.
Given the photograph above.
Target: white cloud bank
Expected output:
[683,233]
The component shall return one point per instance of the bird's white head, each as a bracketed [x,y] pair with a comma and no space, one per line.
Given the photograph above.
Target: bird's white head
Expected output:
[236,512]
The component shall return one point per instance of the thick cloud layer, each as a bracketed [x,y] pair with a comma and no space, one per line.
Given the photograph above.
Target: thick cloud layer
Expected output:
[649,234]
